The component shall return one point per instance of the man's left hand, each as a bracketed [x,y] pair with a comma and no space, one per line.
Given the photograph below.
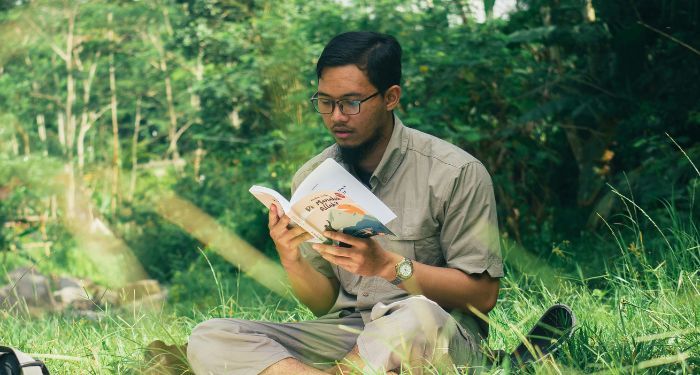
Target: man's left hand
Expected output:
[364,257]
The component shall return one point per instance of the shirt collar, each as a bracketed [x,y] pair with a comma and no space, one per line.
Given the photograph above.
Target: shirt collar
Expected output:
[394,153]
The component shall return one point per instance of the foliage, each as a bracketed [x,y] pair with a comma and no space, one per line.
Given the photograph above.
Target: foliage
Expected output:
[574,106]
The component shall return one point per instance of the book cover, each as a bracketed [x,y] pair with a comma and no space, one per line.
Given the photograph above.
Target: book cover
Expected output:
[326,200]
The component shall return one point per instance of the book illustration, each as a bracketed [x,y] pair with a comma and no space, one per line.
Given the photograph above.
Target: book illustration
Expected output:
[352,220]
[316,210]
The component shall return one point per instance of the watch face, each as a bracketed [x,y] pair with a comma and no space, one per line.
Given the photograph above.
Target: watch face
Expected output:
[405,270]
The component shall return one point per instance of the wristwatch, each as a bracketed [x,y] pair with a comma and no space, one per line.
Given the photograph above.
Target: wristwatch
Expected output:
[404,270]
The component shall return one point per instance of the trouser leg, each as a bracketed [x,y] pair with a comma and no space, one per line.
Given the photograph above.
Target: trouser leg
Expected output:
[234,346]
[414,332]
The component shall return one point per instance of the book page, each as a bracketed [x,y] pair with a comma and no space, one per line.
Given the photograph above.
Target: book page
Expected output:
[331,176]
[268,197]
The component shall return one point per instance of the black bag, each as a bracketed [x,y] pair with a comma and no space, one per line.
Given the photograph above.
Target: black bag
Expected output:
[14,362]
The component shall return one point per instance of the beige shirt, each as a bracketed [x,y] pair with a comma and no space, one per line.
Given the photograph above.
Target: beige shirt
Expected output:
[446,214]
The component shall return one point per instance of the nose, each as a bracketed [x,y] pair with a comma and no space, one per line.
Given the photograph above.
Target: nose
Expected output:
[338,116]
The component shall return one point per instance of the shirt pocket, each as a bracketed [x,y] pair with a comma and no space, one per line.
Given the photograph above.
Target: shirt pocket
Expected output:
[398,244]
[419,228]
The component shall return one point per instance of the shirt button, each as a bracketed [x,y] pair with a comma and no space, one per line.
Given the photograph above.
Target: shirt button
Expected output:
[365,294]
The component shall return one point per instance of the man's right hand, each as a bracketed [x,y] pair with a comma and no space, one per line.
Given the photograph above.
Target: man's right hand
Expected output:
[287,240]
[313,289]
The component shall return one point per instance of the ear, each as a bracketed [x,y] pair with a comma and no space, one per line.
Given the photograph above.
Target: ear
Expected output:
[392,96]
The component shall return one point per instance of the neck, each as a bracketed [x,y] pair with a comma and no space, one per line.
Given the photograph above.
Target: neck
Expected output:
[369,162]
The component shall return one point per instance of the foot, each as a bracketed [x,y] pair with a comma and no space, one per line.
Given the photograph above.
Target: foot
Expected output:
[554,327]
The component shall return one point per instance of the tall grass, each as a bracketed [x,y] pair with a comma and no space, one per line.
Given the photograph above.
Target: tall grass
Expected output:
[638,314]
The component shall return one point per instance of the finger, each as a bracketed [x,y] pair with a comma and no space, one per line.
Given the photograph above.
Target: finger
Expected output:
[272,217]
[297,231]
[333,250]
[340,251]
[290,234]
[280,227]
[289,237]
[342,237]
[298,240]
[343,262]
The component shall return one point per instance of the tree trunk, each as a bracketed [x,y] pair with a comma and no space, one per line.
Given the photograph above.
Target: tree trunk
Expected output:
[61,124]
[88,117]
[41,130]
[70,86]
[66,119]
[464,11]
[25,138]
[173,132]
[116,164]
[172,129]
[198,156]
[134,150]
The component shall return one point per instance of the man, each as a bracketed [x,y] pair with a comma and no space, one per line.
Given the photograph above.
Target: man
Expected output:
[382,302]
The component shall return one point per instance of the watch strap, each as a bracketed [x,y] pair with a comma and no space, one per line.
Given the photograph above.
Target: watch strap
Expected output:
[398,280]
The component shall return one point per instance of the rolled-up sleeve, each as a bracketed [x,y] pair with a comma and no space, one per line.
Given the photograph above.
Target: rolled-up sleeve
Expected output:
[469,236]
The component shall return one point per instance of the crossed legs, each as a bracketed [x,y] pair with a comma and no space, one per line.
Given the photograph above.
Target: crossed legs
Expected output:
[410,333]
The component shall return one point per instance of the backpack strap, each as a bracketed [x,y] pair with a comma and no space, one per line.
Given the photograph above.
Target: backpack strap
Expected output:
[27,364]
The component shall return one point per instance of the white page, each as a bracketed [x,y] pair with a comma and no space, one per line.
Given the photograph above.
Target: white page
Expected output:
[330,175]
[268,197]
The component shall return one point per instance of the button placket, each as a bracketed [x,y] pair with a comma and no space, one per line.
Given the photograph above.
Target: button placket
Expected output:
[366,292]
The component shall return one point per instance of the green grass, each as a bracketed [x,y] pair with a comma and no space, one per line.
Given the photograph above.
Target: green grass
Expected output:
[622,329]
[638,313]
[631,326]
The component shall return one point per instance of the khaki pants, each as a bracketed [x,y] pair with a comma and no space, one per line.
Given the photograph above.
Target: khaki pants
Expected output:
[410,332]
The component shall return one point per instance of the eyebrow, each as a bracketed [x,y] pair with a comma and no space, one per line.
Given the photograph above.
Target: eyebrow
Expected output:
[350,94]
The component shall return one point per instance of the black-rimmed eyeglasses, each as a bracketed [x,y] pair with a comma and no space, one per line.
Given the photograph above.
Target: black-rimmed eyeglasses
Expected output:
[326,106]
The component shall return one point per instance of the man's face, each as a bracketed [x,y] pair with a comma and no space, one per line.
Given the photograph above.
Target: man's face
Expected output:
[354,131]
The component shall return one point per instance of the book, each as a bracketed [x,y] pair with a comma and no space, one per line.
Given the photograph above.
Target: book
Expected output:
[330,198]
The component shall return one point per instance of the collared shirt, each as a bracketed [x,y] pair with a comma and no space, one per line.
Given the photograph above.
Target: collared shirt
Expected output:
[446,214]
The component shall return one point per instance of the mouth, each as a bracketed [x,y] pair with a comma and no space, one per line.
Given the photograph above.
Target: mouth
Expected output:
[341,132]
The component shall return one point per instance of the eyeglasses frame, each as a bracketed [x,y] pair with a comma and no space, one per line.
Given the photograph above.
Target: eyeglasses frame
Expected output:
[337,103]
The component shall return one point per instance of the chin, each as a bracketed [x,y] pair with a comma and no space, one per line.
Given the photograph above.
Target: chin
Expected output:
[348,145]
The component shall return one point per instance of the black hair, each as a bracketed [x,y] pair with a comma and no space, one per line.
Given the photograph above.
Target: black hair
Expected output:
[378,55]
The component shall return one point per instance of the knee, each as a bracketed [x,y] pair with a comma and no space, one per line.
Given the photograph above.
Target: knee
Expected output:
[211,334]
[201,338]
[414,320]
[223,345]
[413,331]
[422,315]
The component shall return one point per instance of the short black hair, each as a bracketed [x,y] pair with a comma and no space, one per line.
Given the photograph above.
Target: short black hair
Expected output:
[376,54]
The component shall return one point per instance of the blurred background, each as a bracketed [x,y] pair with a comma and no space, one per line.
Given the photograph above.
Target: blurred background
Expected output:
[130,131]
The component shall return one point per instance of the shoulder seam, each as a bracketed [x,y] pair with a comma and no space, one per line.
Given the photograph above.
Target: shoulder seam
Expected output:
[466,163]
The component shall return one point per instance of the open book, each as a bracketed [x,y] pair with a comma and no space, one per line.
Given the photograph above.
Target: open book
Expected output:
[330,198]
